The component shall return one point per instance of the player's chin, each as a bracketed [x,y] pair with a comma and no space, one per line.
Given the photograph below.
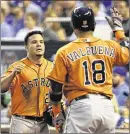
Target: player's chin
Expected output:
[39,54]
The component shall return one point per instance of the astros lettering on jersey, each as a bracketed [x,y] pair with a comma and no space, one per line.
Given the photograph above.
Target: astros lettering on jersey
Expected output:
[30,88]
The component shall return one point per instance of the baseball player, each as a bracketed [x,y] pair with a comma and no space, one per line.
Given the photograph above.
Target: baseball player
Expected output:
[27,82]
[83,72]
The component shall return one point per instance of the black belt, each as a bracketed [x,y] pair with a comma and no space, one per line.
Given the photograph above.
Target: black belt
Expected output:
[31,117]
[107,97]
[87,96]
[80,97]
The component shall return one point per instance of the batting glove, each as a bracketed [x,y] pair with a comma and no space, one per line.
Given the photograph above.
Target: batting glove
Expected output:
[115,21]
[59,116]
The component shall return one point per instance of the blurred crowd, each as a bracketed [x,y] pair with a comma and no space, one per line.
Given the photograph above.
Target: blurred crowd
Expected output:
[19,17]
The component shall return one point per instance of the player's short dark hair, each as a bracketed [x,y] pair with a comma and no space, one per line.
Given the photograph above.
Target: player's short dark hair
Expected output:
[30,34]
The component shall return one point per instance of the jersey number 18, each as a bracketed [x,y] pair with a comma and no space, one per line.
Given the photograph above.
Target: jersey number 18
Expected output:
[94,72]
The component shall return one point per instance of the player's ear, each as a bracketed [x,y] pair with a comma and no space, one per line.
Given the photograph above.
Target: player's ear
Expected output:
[26,47]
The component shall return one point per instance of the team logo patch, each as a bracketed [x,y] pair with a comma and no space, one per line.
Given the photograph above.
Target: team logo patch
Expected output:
[84,24]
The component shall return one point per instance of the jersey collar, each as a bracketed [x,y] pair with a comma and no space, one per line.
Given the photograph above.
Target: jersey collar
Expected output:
[87,39]
[30,63]
[42,61]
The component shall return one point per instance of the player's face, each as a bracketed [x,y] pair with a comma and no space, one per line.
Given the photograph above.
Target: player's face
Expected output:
[116,79]
[35,46]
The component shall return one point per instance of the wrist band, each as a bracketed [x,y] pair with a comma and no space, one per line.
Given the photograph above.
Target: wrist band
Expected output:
[119,34]
[56,108]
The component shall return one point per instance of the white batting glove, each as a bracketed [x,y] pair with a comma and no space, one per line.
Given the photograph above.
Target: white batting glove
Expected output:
[115,21]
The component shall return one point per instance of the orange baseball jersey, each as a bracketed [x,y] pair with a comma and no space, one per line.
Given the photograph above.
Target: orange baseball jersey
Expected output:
[85,66]
[29,88]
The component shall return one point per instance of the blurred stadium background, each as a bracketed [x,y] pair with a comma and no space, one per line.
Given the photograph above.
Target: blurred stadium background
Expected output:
[53,18]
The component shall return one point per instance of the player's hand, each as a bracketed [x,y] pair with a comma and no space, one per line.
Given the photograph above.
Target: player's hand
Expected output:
[58,122]
[58,116]
[18,69]
[115,21]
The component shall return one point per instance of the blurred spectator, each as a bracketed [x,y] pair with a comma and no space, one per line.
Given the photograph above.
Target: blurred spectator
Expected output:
[108,5]
[61,9]
[43,4]
[15,18]
[121,90]
[5,6]
[79,3]
[30,24]
[67,6]
[7,58]
[48,33]
[119,85]
[6,29]
[5,99]
[96,6]
[128,100]
[123,122]
[102,29]
[123,7]
[124,112]
[58,29]
[5,103]
[55,10]
[30,6]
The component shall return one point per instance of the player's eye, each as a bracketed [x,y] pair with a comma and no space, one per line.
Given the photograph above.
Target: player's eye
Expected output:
[41,41]
[34,41]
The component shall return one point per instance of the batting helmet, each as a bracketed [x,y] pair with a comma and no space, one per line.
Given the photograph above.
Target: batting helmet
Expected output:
[82,18]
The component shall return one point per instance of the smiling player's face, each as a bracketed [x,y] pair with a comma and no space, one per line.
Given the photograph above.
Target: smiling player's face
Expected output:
[35,46]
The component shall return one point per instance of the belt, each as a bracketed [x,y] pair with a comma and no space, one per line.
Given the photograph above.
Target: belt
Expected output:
[80,97]
[87,96]
[31,117]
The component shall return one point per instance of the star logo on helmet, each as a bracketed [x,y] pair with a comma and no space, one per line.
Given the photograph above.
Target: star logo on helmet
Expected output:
[85,24]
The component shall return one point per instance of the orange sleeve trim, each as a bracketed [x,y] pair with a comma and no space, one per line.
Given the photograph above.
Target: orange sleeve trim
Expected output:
[55,80]
[119,35]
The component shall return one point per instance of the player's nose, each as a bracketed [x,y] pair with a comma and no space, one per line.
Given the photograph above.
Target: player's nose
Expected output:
[38,44]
